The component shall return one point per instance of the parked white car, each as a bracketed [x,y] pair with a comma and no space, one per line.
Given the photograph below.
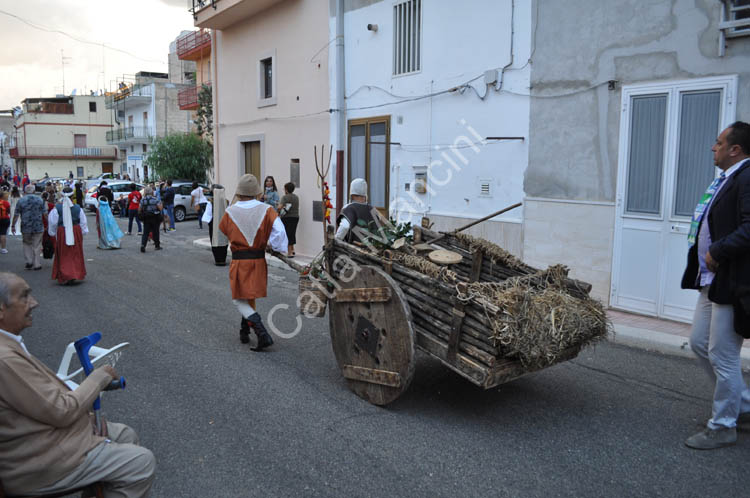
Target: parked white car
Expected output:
[94,182]
[120,188]
[182,207]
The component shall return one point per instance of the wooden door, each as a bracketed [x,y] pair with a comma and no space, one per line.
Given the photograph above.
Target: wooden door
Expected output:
[252,158]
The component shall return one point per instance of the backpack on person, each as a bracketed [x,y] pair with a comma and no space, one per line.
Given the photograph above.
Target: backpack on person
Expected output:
[149,209]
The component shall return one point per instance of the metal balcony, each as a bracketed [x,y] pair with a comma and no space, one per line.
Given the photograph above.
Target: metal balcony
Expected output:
[131,134]
[220,14]
[194,46]
[188,98]
[128,96]
[52,152]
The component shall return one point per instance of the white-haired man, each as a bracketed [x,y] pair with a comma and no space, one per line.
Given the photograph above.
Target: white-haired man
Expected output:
[47,442]
[31,210]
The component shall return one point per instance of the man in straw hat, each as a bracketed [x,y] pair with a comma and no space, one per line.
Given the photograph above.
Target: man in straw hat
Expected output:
[357,209]
[67,222]
[31,210]
[250,226]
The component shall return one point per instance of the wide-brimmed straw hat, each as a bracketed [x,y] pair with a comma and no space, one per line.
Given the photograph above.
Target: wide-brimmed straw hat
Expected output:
[248,186]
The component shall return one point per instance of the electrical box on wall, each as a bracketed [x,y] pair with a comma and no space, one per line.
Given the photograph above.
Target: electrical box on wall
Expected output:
[420,179]
[420,183]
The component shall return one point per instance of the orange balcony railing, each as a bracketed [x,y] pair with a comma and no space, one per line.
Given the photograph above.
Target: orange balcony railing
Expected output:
[188,99]
[195,45]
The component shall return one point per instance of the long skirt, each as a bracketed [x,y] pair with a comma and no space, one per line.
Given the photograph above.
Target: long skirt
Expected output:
[106,228]
[69,263]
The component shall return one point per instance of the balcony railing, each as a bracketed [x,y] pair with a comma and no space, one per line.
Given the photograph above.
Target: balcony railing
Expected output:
[135,133]
[194,45]
[188,98]
[126,91]
[200,4]
[45,152]
[49,108]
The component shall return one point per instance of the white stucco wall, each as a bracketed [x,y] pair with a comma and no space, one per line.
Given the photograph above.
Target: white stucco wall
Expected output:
[456,49]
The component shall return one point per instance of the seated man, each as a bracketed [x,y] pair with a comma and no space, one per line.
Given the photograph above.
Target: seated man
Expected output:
[47,441]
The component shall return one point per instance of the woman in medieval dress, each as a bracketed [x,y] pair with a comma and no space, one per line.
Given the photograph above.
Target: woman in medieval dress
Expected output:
[109,232]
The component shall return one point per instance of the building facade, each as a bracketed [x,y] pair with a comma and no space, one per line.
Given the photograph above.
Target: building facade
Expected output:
[598,116]
[7,140]
[269,68]
[195,46]
[57,136]
[437,119]
[623,117]
[145,107]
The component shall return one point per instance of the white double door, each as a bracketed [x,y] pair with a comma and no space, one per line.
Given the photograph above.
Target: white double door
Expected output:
[665,164]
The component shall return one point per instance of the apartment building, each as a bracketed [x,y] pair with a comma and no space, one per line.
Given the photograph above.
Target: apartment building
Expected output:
[269,66]
[60,135]
[146,106]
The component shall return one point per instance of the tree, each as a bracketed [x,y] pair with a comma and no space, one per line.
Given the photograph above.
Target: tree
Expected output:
[205,114]
[180,155]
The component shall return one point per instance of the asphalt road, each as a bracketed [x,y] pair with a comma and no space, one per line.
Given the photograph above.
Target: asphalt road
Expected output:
[226,422]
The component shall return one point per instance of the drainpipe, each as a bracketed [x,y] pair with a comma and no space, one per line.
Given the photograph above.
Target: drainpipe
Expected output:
[215,103]
[340,106]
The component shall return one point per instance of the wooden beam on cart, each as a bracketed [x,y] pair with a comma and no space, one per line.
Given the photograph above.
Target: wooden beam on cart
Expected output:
[475,222]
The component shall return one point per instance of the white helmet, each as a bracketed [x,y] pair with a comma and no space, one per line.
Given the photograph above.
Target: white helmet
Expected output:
[358,187]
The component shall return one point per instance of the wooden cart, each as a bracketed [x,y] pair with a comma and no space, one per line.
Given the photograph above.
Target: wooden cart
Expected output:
[383,311]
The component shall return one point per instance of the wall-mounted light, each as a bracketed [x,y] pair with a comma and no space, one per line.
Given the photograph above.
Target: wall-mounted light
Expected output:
[372,27]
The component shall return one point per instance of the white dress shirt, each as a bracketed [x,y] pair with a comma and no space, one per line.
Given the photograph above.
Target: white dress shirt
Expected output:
[16,338]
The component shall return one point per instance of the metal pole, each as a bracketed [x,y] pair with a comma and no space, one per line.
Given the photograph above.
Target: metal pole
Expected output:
[340,106]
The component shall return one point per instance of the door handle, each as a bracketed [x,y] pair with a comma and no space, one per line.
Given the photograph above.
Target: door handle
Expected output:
[680,229]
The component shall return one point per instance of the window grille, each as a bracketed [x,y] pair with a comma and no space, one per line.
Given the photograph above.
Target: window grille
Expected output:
[734,22]
[407,37]
[266,78]
[739,11]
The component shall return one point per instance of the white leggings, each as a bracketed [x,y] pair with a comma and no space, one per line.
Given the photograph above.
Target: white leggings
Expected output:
[244,307]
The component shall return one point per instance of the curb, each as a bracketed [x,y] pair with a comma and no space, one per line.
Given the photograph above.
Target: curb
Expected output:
[661,342]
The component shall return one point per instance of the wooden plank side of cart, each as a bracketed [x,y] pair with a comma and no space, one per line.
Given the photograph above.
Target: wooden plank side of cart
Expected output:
[504,370]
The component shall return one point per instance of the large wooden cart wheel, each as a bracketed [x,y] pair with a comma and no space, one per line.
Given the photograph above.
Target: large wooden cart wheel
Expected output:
[372,335]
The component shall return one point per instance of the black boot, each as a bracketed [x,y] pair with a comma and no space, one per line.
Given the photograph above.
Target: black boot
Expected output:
[264,338]
[244,332]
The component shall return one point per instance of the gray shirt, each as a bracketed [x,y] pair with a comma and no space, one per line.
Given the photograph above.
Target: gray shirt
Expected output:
[293,211]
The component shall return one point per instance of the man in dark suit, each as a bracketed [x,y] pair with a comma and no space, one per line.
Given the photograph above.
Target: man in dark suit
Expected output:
[719,267]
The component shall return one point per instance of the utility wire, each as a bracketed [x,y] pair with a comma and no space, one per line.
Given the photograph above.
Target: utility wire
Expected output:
[75,38]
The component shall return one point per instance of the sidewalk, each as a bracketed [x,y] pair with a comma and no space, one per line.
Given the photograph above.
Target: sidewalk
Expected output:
[651,334]
[302,259]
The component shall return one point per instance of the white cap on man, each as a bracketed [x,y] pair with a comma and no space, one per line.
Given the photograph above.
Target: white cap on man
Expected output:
[358,187]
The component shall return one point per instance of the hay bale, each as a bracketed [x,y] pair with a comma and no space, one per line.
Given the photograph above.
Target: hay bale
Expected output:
[539,319]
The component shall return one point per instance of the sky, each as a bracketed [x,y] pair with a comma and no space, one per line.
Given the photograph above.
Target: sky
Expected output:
[98,31]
